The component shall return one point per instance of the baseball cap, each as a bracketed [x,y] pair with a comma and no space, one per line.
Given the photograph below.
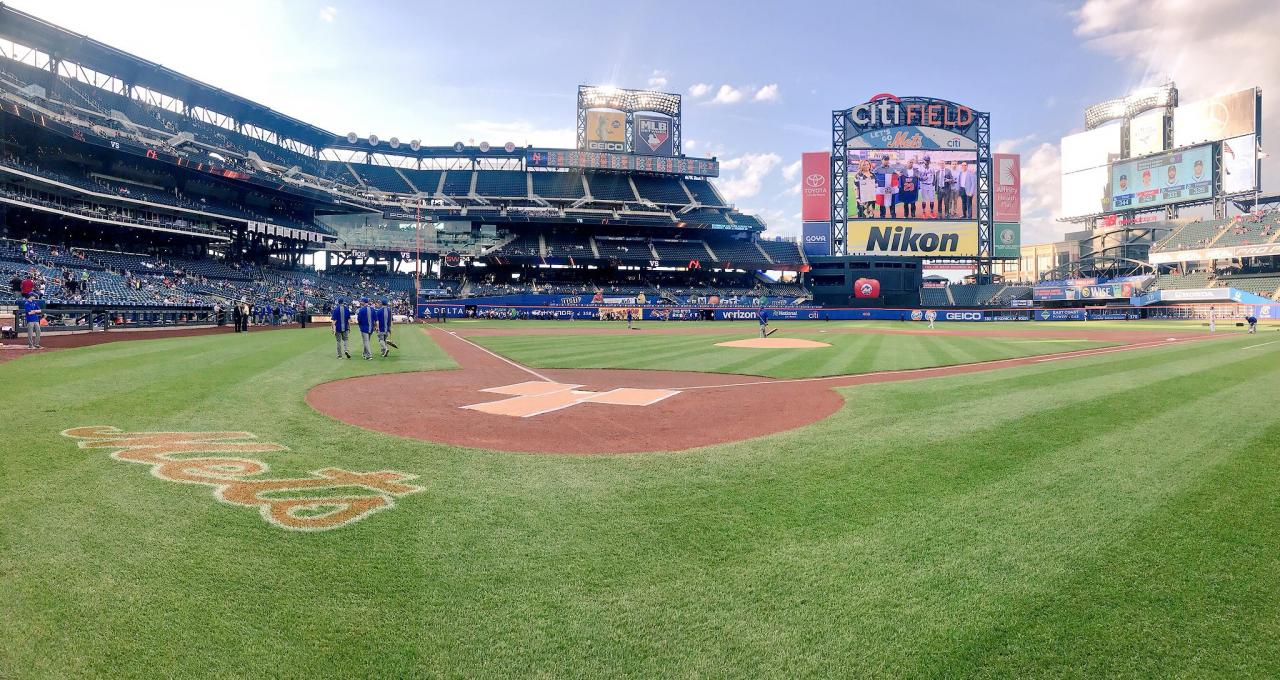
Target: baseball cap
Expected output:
[384,301]
[364,299]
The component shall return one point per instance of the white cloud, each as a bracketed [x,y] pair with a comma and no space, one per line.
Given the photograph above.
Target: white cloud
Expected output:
[1042,194]
[689,144]
[699,89]
[521,132]
[658,79]
[328,13]
[728,94]
[767,93]
[742,177]
[1207,47]
[791,172]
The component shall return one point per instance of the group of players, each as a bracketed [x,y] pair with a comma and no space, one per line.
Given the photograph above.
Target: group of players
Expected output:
[372,318]
[945,191]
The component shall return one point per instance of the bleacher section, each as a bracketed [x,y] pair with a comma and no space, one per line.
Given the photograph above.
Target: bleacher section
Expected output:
[703,192]
[934,297]
[1267,285]
[382,178]
[680,253]
[610,187]
[502,183]
[558,185]
[661,189]
[974,295]
[739,253]
[457,183]
[782,251]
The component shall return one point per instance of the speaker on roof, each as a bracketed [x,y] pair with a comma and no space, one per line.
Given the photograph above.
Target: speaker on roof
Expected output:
[484,147]
[509,146]
[352,138]
[395,142]
[373,140]
[415,144]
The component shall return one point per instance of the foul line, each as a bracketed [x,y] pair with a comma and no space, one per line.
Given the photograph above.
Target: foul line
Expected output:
[1262,345]
[501,358]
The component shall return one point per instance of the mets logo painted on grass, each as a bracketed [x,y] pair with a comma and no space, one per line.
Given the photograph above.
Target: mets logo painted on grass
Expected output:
[317,503]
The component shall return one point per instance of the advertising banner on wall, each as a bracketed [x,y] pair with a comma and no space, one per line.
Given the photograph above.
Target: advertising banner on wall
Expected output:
[653,134]
[815,186]
[1007,197]
[606,131]
[1006,240]
[1162,179]
[1216,118]
[816,239]
[1240,164]
[908,238]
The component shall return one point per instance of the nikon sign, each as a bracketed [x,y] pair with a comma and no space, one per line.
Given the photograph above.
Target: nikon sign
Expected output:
[918,238]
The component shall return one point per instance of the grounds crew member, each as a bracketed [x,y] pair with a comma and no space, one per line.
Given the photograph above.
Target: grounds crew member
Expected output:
[365,318]
[342,327]
[32,314]
[1253,323]
[763,317]
[382,320]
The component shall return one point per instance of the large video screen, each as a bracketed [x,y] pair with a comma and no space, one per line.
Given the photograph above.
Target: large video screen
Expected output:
[1146,133]
[1162,179]
[912,184]
[1091,149]
[1216,118]
[1085,192]
[1240,165]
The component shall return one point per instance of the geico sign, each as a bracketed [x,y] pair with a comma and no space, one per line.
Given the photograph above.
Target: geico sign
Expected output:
[962,316]
[605,146]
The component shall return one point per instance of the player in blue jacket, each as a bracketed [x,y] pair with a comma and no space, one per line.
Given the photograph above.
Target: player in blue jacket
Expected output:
[341,316]
[31,314]
[383,324]
[366,319]
[763,317]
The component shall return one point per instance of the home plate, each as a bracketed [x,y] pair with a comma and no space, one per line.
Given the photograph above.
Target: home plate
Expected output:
[774,343]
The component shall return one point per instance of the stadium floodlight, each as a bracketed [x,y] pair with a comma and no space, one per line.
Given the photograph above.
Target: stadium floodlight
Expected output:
[1138,101]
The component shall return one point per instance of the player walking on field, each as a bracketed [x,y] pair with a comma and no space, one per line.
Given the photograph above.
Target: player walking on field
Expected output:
[32,313]
[763,317]
[365,319]
[342,327]
[1213,323]
[382,321]
[930,316]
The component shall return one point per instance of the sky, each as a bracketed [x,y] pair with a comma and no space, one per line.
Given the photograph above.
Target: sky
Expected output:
[759,79]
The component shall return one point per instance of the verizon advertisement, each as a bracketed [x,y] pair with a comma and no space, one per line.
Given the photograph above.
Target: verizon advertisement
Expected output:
[1008,187]
[815,186]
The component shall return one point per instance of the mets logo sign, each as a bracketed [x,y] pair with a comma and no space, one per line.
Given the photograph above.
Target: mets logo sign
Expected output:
[328,499]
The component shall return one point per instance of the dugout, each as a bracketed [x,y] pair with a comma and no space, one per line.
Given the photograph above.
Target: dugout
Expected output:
[832,279]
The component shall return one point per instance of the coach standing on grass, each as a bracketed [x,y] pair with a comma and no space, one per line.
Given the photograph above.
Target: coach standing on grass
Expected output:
[366,319]
[32,313]
[342,327]
[383,324]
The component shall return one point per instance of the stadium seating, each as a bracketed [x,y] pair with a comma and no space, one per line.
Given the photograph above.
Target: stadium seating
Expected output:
[558,184]
[457,182]
[661,189]
[740,253]
[382,178]
[934,297]
[680,252]
[502,183]
[703,192]
[783,252]
[610,187]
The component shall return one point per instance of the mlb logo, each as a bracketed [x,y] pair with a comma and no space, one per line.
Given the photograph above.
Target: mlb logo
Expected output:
[654,133]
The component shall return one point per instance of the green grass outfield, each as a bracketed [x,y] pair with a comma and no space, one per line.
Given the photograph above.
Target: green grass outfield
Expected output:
[849,352]
[1114,515]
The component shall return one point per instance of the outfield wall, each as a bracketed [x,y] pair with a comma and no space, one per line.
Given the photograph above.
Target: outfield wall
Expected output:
[456,310]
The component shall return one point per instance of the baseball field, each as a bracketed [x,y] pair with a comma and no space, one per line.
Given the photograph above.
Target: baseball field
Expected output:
[576,499]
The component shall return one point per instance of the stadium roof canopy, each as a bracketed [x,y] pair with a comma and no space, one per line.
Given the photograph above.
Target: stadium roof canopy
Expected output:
[62,44]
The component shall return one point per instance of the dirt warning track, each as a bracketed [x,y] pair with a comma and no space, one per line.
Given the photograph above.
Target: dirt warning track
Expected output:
[494,403]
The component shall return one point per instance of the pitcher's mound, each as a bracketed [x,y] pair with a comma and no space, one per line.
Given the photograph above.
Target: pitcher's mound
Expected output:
[774,343]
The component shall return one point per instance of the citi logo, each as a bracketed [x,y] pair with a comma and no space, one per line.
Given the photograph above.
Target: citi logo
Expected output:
[905,239]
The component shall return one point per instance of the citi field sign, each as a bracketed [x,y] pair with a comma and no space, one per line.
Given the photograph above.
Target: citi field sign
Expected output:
[912,238]
[887,111]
